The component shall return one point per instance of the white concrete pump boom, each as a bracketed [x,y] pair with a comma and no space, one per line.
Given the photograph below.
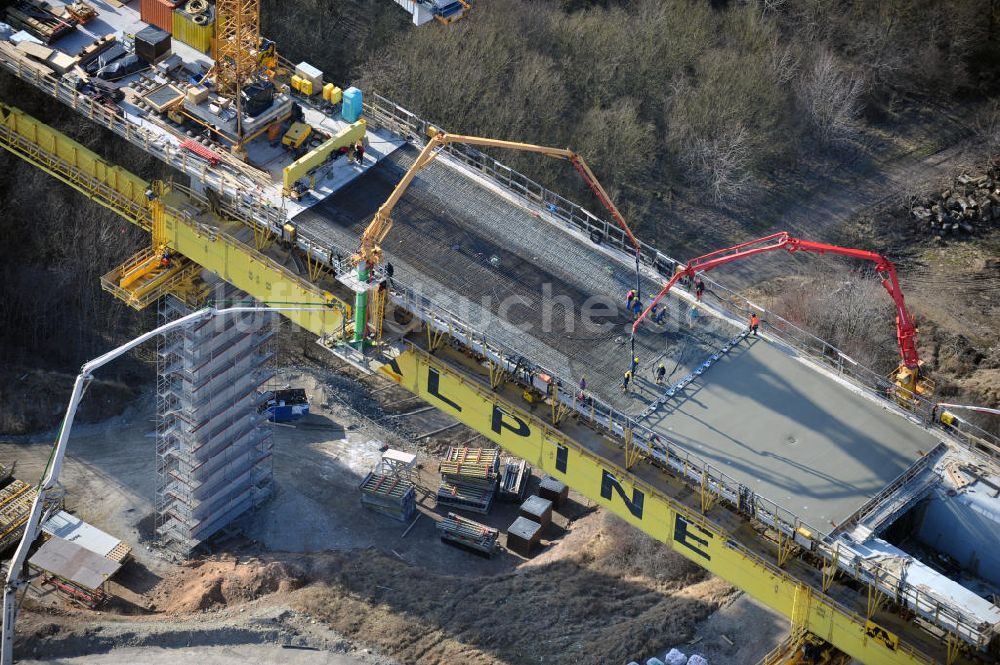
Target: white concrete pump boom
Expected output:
[50,477]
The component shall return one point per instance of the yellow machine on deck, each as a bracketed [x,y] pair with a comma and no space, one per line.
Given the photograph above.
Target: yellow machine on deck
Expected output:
[296,135]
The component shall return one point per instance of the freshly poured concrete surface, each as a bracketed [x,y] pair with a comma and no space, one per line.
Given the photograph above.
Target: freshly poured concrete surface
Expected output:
[791,434]
[795,436]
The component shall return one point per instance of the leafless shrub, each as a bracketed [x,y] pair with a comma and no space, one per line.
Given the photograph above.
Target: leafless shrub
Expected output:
[831,97]
[851,310]
[987,128]
[723,163]
[617,142]
[630,551]
[725,122]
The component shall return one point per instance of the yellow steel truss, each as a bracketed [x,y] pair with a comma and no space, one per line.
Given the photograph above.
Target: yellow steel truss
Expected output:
[623,486]
[166,212]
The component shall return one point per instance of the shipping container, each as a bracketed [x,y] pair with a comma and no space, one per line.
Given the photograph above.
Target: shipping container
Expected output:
[195,30]
[158,13]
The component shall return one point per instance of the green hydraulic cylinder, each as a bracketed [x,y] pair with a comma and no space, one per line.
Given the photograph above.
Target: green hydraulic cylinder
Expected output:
[361,307]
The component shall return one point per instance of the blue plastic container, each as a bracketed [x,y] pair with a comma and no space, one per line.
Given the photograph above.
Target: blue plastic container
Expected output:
[351,108]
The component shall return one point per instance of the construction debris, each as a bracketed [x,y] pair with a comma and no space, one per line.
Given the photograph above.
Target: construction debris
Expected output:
[469,478]
[463,532]
[971,203]
[288,404]
[39,21]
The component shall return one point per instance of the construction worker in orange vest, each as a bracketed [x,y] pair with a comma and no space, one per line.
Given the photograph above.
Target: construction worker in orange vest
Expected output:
[754,322]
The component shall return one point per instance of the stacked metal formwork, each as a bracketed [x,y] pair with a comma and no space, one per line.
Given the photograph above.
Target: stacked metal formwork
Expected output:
[213,446]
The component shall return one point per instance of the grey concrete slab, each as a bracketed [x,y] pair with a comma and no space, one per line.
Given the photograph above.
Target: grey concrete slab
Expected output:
[793,435]
[553,297]
[798,438]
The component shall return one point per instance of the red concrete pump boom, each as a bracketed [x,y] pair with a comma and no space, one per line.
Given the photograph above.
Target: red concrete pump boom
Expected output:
[905,330]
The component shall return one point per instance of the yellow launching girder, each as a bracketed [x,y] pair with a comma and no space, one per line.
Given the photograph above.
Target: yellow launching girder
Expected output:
[175,221]
[59,156]
[711,536]
[603,478]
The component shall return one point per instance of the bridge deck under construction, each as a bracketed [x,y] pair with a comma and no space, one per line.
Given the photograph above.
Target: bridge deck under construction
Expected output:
[811,444]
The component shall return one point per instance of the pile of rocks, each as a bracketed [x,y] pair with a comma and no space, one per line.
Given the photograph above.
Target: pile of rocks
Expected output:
[973,201]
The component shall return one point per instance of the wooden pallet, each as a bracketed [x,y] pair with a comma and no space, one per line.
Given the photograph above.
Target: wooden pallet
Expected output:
[121,553]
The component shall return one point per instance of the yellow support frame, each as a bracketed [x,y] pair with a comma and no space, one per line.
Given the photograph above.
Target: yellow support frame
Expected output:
[661,516]
[156,211]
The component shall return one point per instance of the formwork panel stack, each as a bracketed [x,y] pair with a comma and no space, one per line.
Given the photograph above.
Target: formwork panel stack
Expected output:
[15,507]
[389,489]
[213,446]
[463,532]
[469,478]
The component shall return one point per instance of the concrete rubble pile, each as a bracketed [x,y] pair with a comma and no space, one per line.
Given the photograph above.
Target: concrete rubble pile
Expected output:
[971,203]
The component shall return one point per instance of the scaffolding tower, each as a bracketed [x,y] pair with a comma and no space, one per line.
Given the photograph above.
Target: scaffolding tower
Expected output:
[213,447]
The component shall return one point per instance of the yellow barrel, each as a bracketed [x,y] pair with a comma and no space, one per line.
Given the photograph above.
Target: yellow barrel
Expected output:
[195,30]
[332,93]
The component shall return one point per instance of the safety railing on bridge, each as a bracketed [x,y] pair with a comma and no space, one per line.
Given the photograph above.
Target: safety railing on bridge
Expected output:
[383,112]
[695,470]
[232,180]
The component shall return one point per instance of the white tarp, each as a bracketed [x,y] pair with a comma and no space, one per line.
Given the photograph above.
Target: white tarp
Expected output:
[72,528]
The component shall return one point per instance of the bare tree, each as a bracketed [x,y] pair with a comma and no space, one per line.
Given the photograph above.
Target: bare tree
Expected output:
[723,163]
[831,97]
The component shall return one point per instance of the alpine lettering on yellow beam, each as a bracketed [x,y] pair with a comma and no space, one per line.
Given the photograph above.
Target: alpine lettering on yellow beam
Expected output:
[881,635]
[640,504]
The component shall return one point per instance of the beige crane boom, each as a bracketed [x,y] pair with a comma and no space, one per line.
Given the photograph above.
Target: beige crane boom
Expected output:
[370,252]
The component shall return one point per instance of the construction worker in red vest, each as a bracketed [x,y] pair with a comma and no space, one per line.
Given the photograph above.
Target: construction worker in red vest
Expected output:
[754,322]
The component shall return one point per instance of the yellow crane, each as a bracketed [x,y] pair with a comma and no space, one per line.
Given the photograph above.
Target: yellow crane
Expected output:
[370,252]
